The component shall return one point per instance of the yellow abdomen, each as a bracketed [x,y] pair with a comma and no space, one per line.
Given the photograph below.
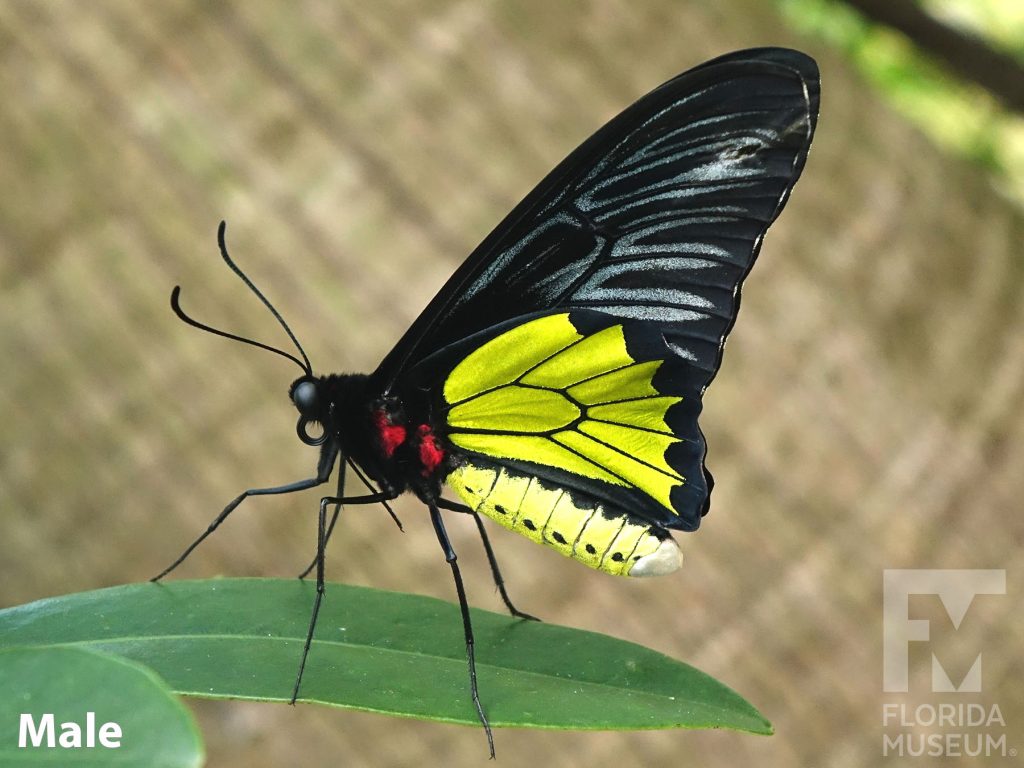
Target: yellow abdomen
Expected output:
[609,540]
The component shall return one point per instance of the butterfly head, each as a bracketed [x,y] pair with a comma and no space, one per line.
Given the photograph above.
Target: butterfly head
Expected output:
[308,397]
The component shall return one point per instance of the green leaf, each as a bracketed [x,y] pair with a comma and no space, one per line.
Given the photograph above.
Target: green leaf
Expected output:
[381,652]
[157,731]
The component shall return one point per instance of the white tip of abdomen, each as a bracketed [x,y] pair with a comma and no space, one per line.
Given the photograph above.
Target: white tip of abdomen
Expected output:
[666,559]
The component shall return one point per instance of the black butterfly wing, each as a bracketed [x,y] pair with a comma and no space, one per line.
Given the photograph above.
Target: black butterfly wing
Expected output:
[657,217]
[633,248]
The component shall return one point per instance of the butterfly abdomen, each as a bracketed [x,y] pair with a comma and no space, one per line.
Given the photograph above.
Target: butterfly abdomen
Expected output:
[596,535]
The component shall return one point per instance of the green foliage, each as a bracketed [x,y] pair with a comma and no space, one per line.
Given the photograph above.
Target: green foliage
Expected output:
[157,730]
[958,116]
[1001,21]
[382,652]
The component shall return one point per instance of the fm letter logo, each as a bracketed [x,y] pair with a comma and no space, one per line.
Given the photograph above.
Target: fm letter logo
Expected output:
[956,589]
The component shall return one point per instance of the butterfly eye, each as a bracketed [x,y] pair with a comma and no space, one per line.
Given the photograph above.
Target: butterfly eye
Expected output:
[306,396]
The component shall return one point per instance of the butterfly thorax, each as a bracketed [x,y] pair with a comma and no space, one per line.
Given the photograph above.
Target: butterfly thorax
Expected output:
[397,445]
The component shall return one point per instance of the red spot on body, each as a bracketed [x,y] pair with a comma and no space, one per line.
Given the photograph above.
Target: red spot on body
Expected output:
[391,435]
[431,452]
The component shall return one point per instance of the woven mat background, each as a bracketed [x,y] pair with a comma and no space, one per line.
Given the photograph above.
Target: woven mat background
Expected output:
[868,414]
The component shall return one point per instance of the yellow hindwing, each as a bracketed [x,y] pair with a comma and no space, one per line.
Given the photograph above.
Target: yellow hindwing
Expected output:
[545,393]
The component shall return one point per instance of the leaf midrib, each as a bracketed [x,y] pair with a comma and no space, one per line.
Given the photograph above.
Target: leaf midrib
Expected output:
[418,654]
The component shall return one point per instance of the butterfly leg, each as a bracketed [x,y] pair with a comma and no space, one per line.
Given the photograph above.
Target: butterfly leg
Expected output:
[330,529]
[449,555]
[366,481]
[337,508]
[499,581]
[378,497]
[321,544]
[328,455]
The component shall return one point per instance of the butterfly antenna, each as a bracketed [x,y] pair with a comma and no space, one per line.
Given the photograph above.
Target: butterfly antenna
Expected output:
[217,332]
[176,307]
[307,367]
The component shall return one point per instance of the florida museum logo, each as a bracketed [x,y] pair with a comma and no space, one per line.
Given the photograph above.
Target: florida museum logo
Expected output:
[954,718]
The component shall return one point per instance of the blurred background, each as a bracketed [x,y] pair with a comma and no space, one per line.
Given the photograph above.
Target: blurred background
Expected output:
[867,416]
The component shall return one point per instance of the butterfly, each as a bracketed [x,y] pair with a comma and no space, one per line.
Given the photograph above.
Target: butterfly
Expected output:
[554,383]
